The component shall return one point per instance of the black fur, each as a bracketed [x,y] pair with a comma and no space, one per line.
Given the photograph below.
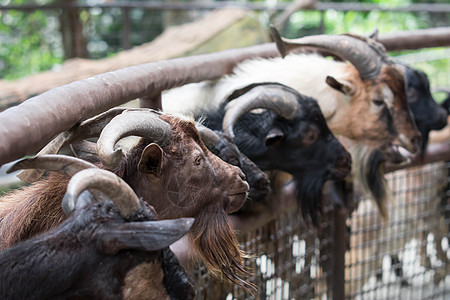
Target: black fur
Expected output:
[311,165]
[65,262]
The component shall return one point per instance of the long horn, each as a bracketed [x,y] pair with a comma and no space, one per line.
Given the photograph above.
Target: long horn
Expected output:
[87,129]
[279,98]
[208,136]
[123,196]
[67,165]
[143,123]
[367,55]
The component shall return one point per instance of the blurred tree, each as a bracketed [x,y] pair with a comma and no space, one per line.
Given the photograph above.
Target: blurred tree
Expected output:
[71,29]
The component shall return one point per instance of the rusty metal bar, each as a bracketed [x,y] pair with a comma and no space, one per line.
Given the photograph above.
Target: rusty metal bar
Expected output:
[151,102]
[417,39]
[29,126]
[321,6]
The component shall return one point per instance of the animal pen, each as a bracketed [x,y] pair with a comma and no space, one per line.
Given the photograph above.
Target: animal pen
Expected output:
[352,255]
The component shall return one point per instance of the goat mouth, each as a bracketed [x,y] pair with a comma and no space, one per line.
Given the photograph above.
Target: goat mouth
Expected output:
[398,154]
[243,190]
[339,173]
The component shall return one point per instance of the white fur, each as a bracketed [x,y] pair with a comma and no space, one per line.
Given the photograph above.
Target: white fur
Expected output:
[305,73]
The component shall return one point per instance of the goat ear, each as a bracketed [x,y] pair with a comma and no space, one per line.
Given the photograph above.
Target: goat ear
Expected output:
[151,160]
[342,86]
[142,236]
[274,137]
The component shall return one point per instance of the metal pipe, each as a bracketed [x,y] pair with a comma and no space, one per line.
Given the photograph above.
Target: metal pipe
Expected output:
[417,39]
[32,124]
[321,6]
[29,126]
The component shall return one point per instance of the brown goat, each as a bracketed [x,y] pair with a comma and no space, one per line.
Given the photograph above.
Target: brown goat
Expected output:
[177,175]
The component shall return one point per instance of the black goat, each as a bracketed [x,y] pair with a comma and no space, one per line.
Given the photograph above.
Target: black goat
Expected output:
[427,114]
[290,135]
[221,145]
[104,250]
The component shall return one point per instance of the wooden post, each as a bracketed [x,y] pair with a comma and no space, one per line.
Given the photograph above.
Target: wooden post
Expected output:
[126,29]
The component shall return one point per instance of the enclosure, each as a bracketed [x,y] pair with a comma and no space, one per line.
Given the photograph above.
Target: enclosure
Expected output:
[353,254]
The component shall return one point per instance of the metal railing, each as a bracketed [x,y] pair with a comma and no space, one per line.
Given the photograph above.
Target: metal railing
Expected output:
[288,259]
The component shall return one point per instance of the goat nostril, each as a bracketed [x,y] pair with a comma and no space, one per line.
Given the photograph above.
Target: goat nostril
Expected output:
[241,174]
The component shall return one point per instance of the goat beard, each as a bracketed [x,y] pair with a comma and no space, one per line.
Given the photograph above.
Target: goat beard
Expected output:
[368,173]
[214,239]
[310,197]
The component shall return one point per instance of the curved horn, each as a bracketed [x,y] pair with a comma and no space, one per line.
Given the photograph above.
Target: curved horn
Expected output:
[208,136]
[67,165]
[279,98]
[111,185]
[87,129]
[144,123]
[367,55]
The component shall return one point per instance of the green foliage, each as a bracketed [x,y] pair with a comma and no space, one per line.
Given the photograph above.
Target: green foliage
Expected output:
[30,42]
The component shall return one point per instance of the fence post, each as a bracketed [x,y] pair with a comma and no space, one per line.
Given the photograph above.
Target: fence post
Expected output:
[151,102]
[126,29]
[339,237]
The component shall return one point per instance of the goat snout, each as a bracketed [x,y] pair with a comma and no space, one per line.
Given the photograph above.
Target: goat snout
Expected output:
[441,120]
[342,166]
[240,173]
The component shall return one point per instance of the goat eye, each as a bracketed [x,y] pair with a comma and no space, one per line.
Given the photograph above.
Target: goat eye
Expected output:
[198,160]
[311,136]
[378,102]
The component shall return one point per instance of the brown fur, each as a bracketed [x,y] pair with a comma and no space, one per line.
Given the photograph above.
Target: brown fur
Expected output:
[145,281]
[32,210]
[214,238]
[402,118]
[204,192]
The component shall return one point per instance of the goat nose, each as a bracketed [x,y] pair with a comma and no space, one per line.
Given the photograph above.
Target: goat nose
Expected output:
[344,161]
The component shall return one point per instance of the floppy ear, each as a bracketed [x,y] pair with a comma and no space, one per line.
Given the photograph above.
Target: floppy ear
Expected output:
[274,137]
[342,86]
[151,160]
[142,236]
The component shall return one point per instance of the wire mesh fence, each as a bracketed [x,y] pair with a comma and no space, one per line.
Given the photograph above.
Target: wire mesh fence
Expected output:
[287,258]
[404,257]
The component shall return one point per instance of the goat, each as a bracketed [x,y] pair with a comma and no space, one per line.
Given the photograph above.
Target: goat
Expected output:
[427,114]
[217,142]
[291,135]
[92,254]
[170,168]
[364,101]
[221,145]
[367,90]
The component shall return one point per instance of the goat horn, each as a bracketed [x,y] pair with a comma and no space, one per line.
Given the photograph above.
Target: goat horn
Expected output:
[279,98]
[67,165]
[143,123]
[367,55]
[123,196]
[89,128]
[208,136]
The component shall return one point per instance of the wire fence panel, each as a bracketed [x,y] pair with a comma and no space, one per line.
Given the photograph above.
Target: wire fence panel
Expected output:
[406,256]
[288,259]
